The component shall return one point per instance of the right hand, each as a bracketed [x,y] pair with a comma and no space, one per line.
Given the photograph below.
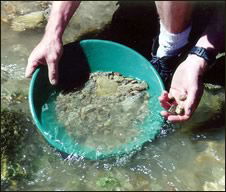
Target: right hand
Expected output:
[47,52]
[187,80]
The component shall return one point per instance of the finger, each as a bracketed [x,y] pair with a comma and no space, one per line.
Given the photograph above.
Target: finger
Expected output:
[172,98]
[31,66]
[164,93]
[53,72]
[163,96]
[176,94]
[165,114]
[163,99]
[191,102]
[165,105]
[177,118]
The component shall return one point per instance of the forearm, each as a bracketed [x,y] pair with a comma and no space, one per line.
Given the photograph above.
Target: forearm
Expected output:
[212,38]
[60,15]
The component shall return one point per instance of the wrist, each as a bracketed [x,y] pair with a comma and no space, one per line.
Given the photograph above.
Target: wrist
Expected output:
[51,38]
[54,29]
[51,35]
[208,54]
[199,62]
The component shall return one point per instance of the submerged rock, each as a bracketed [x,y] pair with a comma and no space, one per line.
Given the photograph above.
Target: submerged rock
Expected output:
[108,183]
[105,86]
[14,95]
[214,186]
[4,76]
[213,158]
[13,85]
[12,131]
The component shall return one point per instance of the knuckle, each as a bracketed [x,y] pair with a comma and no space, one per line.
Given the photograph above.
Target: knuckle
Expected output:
[58,49]
[51,60]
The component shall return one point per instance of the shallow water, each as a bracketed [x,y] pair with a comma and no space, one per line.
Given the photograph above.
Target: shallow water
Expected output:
[191,156]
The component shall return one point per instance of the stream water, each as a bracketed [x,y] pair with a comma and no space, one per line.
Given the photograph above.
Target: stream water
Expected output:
[191,156]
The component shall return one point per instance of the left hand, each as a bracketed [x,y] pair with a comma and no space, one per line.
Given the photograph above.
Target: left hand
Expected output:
[187,80]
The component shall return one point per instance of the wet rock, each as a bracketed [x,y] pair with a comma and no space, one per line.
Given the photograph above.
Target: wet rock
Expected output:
[8,11]
[43,4]
[140,86]
[118,79]
[212,153]
[105,86]
[89,17]
[4,76]
[172,109]
[182,97]
[179,110]
[28,21]
[176,109]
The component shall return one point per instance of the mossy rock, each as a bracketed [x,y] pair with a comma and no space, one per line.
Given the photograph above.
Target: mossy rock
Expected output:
[13,131]
[13,134]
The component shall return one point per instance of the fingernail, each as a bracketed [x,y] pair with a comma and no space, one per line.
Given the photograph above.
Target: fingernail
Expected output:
[53,81]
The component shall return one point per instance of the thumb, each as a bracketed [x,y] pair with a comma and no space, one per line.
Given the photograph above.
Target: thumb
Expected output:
[31,66]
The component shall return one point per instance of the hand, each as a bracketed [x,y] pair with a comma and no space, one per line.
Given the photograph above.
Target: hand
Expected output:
[47,52]
[187,80]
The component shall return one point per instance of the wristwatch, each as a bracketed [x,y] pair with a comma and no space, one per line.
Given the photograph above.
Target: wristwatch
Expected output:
[208,55]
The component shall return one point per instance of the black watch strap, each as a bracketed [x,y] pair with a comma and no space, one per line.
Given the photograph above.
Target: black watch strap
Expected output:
[208,55]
